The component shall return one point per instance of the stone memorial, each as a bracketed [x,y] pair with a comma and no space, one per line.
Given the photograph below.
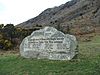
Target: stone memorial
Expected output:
[49,43]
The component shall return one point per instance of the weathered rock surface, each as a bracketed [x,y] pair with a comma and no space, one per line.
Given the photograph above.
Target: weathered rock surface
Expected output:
[49,43]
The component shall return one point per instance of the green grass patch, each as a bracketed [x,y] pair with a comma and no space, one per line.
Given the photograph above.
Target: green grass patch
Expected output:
[87,63]
[13,65]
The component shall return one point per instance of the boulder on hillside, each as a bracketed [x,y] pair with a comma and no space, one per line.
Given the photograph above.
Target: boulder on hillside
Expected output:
[49,43]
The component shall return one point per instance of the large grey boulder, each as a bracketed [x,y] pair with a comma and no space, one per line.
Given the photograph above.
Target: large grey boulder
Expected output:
[49,43]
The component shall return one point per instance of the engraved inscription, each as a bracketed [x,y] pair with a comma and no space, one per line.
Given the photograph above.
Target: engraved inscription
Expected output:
[49,43]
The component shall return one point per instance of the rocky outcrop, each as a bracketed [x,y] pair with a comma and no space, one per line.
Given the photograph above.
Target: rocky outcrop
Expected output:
[75,14]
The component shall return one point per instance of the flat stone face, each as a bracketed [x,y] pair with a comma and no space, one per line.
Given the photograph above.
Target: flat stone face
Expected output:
[49,43]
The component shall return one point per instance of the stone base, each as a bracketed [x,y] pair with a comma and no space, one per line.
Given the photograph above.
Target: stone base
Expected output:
[47,55]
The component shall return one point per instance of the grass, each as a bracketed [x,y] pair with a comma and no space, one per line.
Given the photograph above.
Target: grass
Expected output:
[13,65]
[87,63]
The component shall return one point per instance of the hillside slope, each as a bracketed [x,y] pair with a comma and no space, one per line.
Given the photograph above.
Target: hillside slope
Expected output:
[80,16]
